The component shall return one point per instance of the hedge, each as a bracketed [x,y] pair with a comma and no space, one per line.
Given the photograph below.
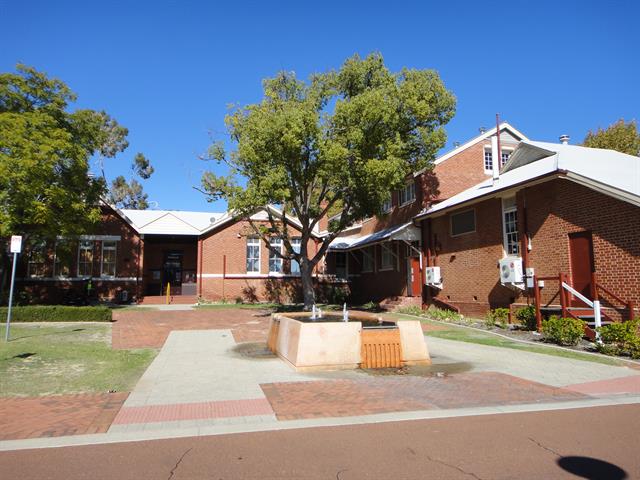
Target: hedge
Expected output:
[57,313]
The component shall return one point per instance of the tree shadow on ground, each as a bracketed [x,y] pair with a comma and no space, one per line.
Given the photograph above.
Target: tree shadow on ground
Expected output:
[592,468]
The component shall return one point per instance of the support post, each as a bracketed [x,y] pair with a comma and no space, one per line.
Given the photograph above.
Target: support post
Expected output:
[168,291]
[563,296]
[598,318]
[536,296]
[13,281]
[632,308]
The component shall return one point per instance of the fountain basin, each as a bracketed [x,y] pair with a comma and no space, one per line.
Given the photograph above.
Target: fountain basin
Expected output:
[330,343]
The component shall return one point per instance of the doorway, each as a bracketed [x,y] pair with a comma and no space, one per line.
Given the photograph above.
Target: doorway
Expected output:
[582,264]
[172,272]
[414,274]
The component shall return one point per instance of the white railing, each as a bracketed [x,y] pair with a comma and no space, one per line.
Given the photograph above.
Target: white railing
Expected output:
[595,304]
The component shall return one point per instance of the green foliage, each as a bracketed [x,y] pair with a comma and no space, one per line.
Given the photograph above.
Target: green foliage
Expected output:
[45,150]
[445,315]
[497,316]
[371,307]
[527,317]
[130,194]
[620,136]
[57,313]
[337,143]
[563,331]
[620,338]
[411,310]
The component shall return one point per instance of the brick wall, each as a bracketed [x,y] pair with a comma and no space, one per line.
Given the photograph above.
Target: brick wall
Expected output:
[469,263]
[230,243]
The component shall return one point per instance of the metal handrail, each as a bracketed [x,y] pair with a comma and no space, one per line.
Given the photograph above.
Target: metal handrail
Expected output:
[568,287]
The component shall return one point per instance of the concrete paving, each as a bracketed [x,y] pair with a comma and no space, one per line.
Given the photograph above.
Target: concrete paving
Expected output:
[548,369]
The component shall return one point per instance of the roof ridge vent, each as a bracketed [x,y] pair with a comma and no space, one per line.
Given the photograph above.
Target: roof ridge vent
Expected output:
[564,139]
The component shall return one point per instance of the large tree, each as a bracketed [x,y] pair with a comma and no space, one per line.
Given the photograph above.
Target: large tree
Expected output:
[45,153]
[621,136]
[342,139]
[130,194]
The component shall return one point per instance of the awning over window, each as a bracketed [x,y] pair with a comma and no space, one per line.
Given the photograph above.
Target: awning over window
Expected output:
[407,232]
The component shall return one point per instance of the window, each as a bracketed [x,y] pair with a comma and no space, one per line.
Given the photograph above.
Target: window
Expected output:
[387,205]
[275,261]
[488,160]
[510,226]
[62,264]
[504,158]
[85,258]
[295,265]
[463,222]
[408,193]
[253,255]
[341,265]
[108,266]
[367,259]
[37,258]
[386,260]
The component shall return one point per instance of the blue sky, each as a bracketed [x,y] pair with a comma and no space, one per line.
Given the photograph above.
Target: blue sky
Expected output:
[168,70]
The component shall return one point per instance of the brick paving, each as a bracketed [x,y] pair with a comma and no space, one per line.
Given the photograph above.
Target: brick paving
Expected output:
[193,411]
[150,328]
[623,385]
[338,398]
[58,415]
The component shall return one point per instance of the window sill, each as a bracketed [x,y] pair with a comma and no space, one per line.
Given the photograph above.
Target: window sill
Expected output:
[386,269]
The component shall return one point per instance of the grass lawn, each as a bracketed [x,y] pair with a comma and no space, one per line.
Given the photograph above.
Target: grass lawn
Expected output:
[461,334]
[42,359]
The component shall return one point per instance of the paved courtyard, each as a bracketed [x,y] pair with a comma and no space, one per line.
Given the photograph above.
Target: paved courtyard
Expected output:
[214,372]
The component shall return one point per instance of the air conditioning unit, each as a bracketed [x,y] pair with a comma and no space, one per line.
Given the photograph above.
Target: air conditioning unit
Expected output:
[511,271]
[432,277]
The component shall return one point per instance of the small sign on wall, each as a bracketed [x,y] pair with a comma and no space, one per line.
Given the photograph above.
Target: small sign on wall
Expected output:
[16,243]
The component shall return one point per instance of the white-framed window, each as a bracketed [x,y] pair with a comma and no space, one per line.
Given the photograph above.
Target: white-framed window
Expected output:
[367,259]
[463,222]
[85,258]
[387,205]
[386,257]
[275,261]
[62,263]
[295,265]
[510,226]
[36,263]
[108,263]
[408,193]
[253,255]
[488,158]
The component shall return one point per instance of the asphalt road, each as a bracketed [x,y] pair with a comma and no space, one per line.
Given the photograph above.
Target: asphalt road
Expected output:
[596,443]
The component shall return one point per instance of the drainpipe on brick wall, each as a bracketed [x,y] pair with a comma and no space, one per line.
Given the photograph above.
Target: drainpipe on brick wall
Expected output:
[200,248]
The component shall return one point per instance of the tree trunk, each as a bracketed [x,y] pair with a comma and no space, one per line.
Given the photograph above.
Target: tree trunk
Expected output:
[306,271]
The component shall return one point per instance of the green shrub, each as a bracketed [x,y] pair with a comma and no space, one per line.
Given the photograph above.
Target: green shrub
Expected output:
[371,307]
[563,331]
[527,317]
[620,338]
[445,315]
[57,313]
[411,310]
[497,316]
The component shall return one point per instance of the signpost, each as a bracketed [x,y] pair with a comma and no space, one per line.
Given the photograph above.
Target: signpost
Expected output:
[16,248]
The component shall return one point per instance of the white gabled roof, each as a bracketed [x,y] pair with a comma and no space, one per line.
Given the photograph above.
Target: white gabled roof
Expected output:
[169,222]
[610,172]
[483,136]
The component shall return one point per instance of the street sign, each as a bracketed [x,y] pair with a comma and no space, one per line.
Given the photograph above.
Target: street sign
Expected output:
[16,244]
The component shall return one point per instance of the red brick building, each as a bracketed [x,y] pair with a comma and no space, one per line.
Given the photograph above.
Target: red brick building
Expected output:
[381,257]
[554,209]
[142,254]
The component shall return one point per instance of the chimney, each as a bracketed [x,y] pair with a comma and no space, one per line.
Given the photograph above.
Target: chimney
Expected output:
[482,130]
[495,158]
[564,139]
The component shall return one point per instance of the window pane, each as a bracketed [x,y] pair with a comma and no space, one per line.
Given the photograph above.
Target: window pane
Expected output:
[253,255]
[62,266]
[37,260]
[463,222]
[108,259]
[386,259]
[295,266]
[85,258]
[488,160]
[275,262]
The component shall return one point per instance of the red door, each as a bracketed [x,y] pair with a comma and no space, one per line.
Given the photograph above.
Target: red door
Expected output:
[581,256]
[415,277]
